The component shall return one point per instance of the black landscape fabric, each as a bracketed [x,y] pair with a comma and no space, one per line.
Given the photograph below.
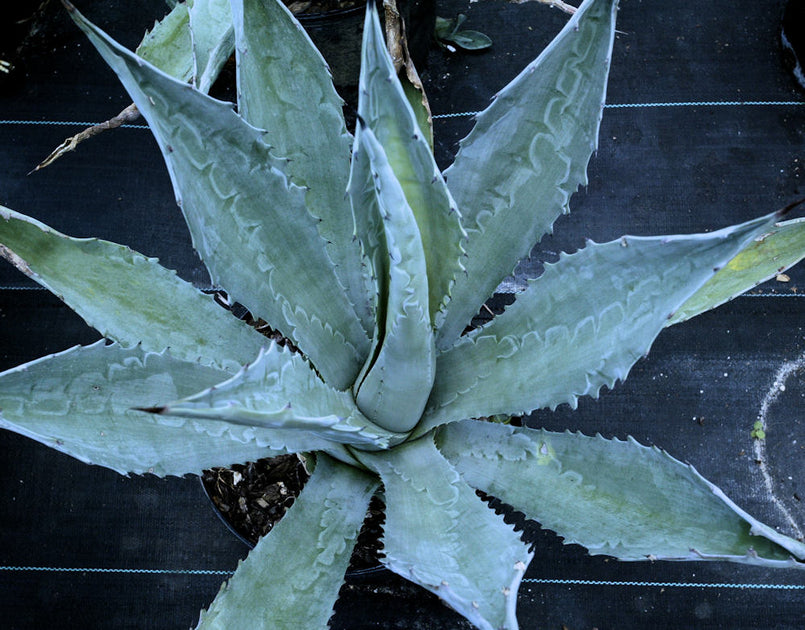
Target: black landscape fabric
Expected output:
[704,127]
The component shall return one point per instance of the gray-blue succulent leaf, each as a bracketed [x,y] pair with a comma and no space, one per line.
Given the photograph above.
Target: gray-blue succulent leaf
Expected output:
[371,263]
[582,324]
[395,382]
[385,110]
[192,42]
[281,390]
[292,577]
[476,568]
[83,402]
[614,497]
[526,155]
[248,220]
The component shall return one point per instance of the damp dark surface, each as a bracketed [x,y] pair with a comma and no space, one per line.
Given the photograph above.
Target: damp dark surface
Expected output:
[705,127]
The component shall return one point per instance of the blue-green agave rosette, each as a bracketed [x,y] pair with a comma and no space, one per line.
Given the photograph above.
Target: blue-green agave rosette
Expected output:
[372,262]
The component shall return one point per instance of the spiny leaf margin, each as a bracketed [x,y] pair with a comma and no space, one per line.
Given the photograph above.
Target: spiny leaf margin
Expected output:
[279,390]
[614,497]
[81,402]
[243,213]
[384,108]
[581,325]
[126,296]
[526,155]
[440,535]
[299,566]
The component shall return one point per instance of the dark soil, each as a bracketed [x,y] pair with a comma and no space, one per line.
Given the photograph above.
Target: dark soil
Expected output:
[251,498]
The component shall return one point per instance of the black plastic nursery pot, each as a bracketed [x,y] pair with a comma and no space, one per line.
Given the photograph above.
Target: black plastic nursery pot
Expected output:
[704,127]
[337,34]
[251,498]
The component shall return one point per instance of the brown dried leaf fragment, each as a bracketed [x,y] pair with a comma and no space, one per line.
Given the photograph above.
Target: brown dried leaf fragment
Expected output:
[129,114]
[397,43]
[556,4]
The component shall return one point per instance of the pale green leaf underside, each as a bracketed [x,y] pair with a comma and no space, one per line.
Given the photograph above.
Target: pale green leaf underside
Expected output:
[781,248]
[280,390]
[385,109]
[395,388]
[168,45]
[213,40]
[581,325]
[248,222]
[526,155]
[440,535]
[127,297]
[614,497]
[302,114]
[291,579]
[81,401]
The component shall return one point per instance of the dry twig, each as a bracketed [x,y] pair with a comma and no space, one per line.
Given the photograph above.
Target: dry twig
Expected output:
[556,4]
[129,114]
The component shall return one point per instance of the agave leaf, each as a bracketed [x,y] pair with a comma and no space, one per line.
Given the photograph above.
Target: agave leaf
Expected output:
[80,402]
[397,46]
[213,40]
[385,109]
[127,297]
[280,390]
[192,42]
[526,155]
[299,566]
[440,535]
[248,223]
[615,497]
[168,45]
[415,93]
[395,388]
[369,232]
[581,325]
[302,114]
[781,248]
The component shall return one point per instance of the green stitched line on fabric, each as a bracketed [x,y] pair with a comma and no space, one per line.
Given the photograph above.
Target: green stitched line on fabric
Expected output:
[556,581]
[655,105]
[707,104]
[102,570]
[68,123]
[36,287]
[790,587]
[464,114]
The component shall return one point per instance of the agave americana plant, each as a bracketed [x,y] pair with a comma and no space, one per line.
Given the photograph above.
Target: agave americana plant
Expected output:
[372,262]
